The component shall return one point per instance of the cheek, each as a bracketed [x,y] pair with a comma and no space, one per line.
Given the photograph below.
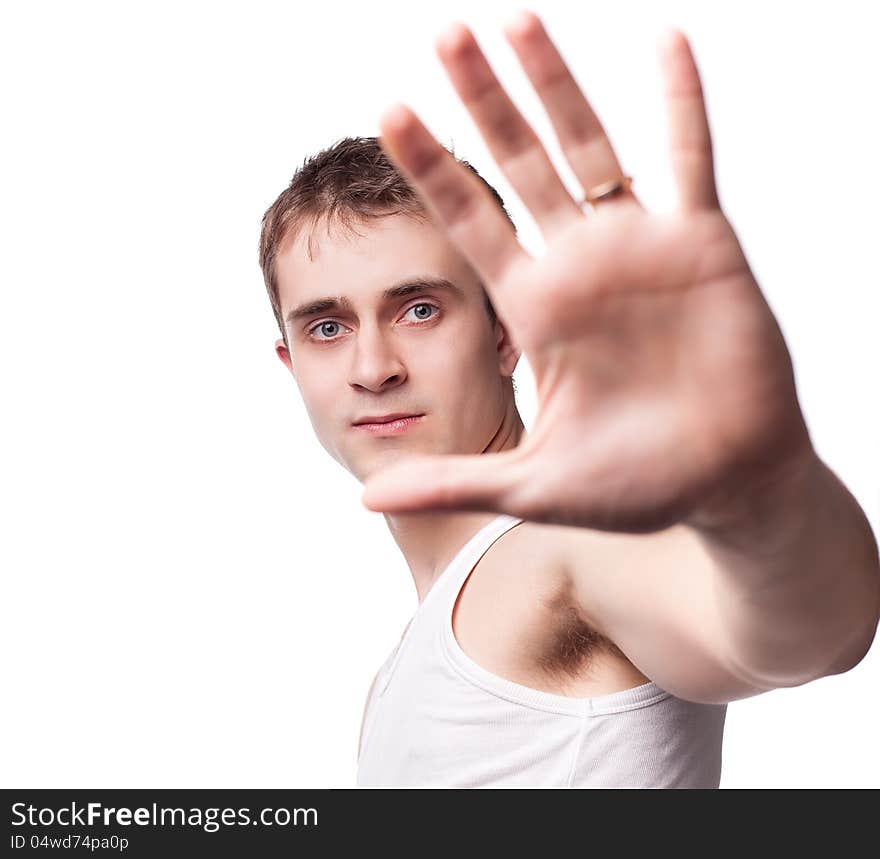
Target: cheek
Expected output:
[320,395]
[468,341]
[454,360]
[466,382]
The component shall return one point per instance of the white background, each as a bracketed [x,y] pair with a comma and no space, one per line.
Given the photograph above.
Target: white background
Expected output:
[193,595]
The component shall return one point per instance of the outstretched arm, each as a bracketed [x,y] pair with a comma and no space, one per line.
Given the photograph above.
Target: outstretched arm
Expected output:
[785,592]
[666,393]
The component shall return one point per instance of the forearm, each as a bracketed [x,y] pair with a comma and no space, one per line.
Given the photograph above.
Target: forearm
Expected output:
[797,579]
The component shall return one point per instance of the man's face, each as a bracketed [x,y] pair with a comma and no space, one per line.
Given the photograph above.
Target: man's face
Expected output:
[433,352]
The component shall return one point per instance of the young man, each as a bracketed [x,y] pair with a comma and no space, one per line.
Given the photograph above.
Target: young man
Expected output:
[665,540]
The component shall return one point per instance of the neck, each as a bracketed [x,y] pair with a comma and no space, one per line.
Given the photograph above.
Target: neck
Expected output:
[429,541]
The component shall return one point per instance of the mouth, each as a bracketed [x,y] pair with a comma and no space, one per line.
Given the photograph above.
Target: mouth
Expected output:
[389,425]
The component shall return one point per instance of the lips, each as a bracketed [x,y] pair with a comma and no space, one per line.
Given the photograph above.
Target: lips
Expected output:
[393,426]
[385,419]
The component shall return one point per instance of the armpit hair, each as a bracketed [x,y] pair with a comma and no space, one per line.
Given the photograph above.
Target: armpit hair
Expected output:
[571,651]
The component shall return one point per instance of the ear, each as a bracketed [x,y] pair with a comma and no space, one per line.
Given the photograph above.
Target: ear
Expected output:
[508,354]
[284,354]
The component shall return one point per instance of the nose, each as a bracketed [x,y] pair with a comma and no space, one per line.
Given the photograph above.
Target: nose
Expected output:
[376,363]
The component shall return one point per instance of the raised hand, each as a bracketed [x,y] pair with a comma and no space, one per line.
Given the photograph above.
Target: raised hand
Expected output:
[664,385]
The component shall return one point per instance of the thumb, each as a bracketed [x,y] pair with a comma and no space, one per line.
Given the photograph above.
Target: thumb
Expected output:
[447,482]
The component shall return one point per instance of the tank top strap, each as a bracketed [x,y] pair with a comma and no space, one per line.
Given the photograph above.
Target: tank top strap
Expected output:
[469,555]
[438,602]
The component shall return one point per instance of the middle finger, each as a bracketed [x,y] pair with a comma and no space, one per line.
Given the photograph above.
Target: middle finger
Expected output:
[511,140]
[581,136]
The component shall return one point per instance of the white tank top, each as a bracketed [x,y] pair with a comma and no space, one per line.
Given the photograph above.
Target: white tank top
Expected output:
[435,718]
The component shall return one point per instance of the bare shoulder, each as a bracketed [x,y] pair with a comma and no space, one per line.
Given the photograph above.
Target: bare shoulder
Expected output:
[518,616]
[545,558]
[585,613]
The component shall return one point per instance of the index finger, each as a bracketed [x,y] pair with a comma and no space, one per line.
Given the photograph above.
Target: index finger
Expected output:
[459,200]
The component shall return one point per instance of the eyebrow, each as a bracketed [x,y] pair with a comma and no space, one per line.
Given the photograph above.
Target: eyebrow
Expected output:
[411,286]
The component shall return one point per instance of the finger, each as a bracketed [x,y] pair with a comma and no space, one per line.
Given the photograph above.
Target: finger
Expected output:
[511,140]
[690,140]
[459,200]
[581,136]
[448,482]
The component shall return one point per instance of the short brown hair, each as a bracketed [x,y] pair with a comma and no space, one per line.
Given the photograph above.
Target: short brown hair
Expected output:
[351,180]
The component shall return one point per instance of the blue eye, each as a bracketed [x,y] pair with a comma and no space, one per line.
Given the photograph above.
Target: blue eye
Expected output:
[424,304]
[321,325]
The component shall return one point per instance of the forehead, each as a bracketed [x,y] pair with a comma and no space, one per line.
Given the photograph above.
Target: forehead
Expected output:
[314,262]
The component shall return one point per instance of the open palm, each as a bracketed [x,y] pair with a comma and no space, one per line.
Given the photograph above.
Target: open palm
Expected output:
[664,384]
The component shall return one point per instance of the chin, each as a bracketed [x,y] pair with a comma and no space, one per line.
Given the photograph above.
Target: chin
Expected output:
[391,454]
